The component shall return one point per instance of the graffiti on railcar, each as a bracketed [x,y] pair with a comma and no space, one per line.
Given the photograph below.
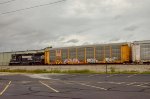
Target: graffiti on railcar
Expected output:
[58,53]
[58,62]
[113,59]
[92,60]
[71,61]
[58,57]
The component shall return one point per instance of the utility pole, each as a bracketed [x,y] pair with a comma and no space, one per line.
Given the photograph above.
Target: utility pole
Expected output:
[106,67]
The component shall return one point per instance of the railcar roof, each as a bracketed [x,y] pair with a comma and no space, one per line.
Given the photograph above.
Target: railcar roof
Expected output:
[142,42]
[123,43]
[27,51]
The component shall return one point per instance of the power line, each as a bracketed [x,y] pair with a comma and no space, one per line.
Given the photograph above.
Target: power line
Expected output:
[32,7]
[7,2]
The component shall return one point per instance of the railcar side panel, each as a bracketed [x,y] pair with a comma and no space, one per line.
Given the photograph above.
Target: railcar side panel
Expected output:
[136,53]
[90,55]
[81,55]
[72,55]
[145,52]
[58,56]
[47,57]
[65,56]
[99,54]
[116,53]
[52,56]
[125,53]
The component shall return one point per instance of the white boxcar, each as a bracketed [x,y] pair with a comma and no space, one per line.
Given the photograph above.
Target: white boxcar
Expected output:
[141,51]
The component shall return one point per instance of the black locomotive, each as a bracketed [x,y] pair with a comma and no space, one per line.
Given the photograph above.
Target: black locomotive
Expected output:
[27,59]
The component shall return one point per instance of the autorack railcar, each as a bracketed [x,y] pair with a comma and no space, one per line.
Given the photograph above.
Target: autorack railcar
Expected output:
[90,54]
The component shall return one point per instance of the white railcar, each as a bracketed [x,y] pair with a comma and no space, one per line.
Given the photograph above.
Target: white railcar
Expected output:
[141,51]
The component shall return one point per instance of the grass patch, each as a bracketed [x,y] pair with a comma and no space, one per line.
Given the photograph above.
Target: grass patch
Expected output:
[79,71]
[130,72]
[85,71]
[47,71]
[146,72]
[112,70]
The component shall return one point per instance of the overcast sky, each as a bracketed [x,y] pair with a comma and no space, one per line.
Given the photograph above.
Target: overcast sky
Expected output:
[72,22]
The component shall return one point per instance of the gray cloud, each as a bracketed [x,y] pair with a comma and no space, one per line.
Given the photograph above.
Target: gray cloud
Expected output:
[114,39]
[73,22]
[73,41]
[131,28]
[5,22]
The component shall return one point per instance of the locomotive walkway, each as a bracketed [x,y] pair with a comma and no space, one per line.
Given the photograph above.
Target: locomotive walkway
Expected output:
[74,86]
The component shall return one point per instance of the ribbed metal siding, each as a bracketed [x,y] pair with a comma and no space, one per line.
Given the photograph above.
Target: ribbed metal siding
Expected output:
[99,53]
[72,53]
[1,58]
[89,52]
[64,54]
[52,55]
[107,52]
[116,52]
[5,58]
[81,54]
[145,52]
[136,57]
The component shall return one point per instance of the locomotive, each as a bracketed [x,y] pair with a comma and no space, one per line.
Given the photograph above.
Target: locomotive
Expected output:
[27,59]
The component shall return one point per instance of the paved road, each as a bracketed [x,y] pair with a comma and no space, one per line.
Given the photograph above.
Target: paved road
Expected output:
[74,86]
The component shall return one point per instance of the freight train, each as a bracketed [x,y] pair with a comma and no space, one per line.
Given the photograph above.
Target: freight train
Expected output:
[137,52]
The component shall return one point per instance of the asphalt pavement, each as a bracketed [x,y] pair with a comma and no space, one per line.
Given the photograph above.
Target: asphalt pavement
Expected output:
[75,86]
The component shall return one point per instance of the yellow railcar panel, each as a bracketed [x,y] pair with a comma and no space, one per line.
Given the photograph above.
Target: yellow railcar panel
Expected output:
[47,57]
[110,51]
[125,53]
